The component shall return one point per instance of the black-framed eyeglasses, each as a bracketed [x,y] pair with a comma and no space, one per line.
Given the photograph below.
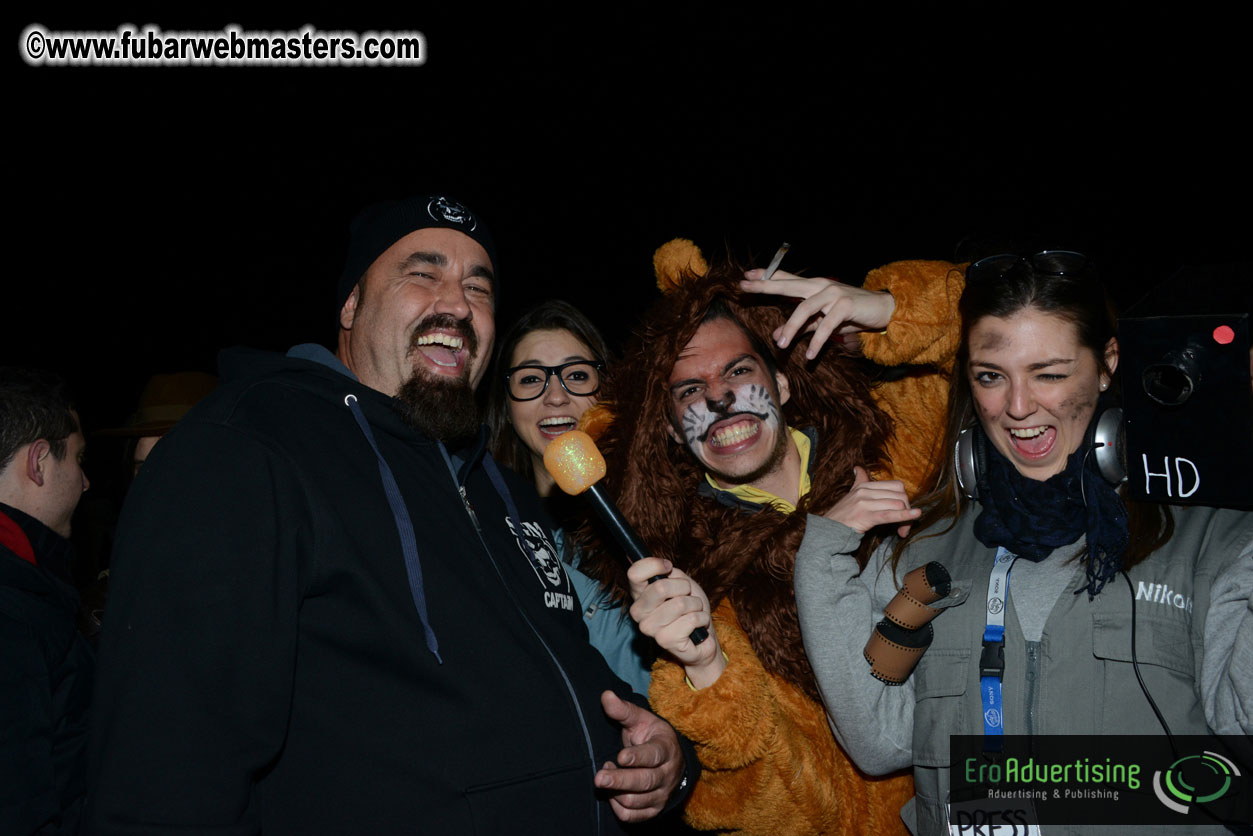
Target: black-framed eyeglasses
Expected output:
[1044,263]
[578,377]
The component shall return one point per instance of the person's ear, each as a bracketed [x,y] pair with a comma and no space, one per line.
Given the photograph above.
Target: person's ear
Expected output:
[1111,361]
[780,380]
[36,456]
[348,313]
[674,434]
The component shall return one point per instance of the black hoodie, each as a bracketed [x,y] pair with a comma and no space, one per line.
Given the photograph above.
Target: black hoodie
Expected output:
[265,665]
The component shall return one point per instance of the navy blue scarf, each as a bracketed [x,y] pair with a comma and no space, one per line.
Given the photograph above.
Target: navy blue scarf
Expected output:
[1032,518]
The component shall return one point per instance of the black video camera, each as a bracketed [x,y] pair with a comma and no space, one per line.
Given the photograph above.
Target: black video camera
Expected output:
[1187,402]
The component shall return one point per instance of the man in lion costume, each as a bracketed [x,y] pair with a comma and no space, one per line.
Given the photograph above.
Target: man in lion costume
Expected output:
[719,446]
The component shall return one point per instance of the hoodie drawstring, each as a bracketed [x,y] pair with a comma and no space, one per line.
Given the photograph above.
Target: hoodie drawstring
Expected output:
[404,527]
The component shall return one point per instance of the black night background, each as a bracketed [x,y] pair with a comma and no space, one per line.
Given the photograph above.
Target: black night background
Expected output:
[161,214]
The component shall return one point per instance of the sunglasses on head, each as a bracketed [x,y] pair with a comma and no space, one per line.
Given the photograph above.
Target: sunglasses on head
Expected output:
[1044,263]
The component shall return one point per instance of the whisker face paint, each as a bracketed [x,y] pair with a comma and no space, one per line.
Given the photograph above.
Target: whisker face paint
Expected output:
[753,399]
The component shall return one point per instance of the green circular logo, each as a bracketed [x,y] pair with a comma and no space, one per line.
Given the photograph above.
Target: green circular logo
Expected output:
[1194,779]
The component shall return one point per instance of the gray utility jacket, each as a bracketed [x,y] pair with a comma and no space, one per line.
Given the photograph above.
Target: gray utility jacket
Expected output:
[1194,642]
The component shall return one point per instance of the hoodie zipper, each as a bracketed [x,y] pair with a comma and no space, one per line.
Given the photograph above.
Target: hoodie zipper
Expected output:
[413,566]
[574,697]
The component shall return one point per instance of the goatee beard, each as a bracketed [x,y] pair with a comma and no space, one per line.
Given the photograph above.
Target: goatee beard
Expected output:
[442,408]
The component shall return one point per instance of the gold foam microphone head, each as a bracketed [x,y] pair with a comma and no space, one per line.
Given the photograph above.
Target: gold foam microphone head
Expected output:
[574,462]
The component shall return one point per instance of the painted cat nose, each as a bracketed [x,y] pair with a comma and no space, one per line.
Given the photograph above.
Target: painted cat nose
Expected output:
[721,404]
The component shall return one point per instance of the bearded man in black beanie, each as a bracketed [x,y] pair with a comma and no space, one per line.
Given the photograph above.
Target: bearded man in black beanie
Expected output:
[330,611]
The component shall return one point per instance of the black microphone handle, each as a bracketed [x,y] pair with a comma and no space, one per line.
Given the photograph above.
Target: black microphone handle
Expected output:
[622,531]
[629,540]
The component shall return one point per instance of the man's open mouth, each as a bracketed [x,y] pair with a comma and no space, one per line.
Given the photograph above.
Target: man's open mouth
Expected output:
[443,350]
[740,430]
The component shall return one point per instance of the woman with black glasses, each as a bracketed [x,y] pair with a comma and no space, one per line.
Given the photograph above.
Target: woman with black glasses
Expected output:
[1031,596]
[549,368]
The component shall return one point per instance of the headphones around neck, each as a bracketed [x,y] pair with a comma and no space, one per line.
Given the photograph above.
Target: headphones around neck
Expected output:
[1105,438]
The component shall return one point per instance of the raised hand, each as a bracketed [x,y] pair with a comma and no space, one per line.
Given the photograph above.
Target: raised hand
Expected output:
[869,503]
[827,307]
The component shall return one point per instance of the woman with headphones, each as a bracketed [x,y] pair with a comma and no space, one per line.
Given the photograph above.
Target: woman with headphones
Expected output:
[1121,617]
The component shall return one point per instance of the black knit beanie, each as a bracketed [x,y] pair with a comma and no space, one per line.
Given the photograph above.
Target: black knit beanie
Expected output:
[379,226]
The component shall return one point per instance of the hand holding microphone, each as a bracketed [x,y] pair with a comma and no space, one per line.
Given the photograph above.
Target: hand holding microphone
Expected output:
[669,607]
[574,462]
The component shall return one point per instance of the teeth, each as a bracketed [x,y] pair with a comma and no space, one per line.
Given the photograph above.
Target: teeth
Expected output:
[551,422]
[736,433]
[1026,432]
[441,339]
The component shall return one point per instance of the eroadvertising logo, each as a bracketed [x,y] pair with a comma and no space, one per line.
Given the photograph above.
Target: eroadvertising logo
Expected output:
[1097,780]
[1195,779]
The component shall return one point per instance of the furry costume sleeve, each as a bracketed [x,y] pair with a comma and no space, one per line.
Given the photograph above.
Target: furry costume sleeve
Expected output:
[924,332]
[770,762]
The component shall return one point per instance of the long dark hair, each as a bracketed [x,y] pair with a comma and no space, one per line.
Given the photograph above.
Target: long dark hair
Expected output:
[550,315]
[1060,284]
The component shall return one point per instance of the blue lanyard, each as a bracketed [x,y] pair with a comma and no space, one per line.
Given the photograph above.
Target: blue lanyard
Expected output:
[992,660]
